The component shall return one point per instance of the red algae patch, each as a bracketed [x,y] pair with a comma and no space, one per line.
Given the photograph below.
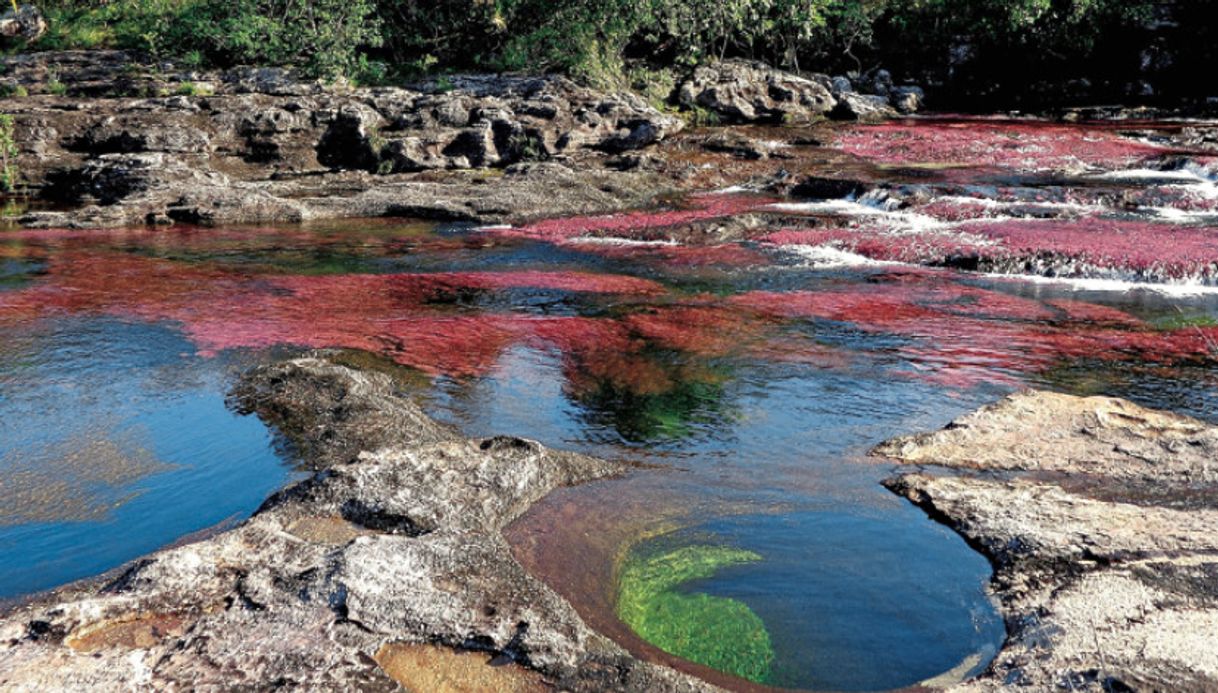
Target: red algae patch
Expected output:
[1150,251]
[1019,145]
[698,208]
[961,336]
[701,330]
[1073,248]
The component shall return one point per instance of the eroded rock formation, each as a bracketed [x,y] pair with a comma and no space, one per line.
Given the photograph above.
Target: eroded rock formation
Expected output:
[1101,520]
[134,143]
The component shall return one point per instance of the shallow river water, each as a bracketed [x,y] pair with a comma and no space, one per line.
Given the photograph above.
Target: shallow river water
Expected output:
[750,373]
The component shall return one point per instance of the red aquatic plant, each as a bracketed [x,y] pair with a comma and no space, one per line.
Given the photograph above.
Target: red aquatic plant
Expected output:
[696,208]
[1012,144]
[1151,250]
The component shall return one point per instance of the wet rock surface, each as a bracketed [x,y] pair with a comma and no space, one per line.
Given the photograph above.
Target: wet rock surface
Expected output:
[1099,519]
[386,569]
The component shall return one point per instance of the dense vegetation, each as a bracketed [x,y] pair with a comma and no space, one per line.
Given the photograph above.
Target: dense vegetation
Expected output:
[607,40]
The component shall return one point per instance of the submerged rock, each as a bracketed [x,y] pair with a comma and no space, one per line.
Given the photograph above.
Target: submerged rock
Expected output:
[1101,520]
[377,572]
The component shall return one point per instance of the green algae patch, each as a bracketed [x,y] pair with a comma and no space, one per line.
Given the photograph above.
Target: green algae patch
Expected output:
[718,632]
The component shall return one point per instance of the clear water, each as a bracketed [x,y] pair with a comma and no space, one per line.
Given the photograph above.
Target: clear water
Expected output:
[754,380]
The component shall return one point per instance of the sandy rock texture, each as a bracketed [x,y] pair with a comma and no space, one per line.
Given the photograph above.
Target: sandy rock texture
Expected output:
[1101,519]
[385,570]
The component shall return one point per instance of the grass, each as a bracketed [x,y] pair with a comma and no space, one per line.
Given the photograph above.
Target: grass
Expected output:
[718,632]
[194,89]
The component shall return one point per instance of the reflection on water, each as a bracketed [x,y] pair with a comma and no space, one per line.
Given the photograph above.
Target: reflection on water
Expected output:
[115,441]
[753,380]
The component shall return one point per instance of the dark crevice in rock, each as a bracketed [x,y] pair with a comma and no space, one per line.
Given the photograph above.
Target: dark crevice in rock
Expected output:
[379,520]
[127,579]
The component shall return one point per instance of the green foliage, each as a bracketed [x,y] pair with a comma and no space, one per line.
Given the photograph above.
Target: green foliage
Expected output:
[326,37]
[194,89]
[8,153]
[721,633]
[597,41]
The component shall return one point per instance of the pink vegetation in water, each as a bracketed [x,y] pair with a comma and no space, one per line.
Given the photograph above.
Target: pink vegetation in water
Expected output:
[626,225]
[953,333]
[961,335]
[1152,252]
[1020,145]
[1086,247]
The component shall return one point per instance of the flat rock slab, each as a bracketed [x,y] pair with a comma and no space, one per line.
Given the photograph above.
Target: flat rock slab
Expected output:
[384,570]
[1099,519]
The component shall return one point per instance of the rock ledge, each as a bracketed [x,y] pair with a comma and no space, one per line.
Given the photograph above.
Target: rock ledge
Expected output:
[1101,519]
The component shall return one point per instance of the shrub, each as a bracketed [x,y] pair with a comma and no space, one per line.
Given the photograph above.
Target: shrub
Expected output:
[325,37]
[8,153]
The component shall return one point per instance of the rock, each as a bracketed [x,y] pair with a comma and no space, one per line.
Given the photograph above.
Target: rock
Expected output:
[747,92]
[268,147]
[23,25]
[841,85]
[825,188]
[862,107]
[742,146]
[907,100]
[1101,520]
[881,83]
[385,569]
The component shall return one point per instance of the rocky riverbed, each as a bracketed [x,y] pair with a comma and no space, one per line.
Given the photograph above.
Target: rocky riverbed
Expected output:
[109,138]
[387,566]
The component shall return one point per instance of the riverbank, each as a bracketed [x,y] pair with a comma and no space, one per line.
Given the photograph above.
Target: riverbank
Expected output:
[1100,520]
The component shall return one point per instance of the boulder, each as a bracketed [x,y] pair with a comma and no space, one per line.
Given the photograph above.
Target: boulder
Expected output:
[749,92]
[907,99]
[841,85]
[862,107]
[22,26]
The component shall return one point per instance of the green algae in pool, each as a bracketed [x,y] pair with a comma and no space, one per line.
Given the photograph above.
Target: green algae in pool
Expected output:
[719,632]
[894,619]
